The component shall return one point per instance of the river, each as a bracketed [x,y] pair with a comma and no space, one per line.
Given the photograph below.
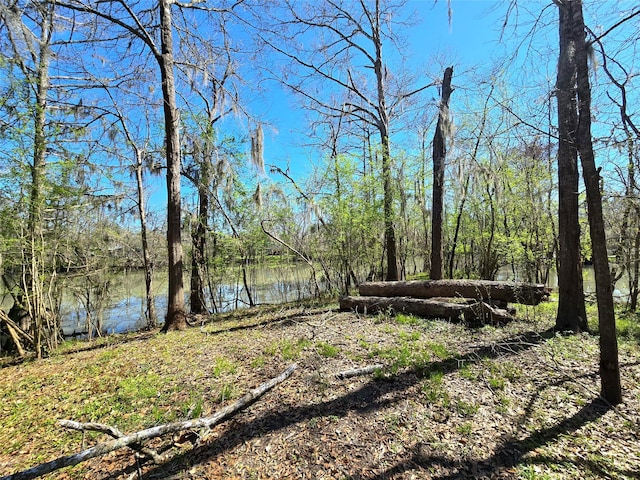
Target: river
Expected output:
[124,311]
[269,285]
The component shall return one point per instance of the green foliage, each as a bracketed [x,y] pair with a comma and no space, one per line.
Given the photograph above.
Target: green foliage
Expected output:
[404,319]
[628,325]
[465,428]
[227,391]
[327,350]
[440,351]
[349,240]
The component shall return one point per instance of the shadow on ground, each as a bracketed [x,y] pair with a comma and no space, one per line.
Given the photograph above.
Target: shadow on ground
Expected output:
[377,394]
[510,454]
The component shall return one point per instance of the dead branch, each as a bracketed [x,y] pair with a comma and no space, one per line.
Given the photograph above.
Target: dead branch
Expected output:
[355,372]
[141,436]
[112,431]
[14,330]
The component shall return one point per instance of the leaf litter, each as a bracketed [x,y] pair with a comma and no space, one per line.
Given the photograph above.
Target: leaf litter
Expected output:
[449,403]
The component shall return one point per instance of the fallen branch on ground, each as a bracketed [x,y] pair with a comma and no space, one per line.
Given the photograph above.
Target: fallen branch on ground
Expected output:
[359,371]
[138,437]
[112,431]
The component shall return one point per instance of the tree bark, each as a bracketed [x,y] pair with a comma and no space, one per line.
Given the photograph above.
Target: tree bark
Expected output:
[153,432]
[393,272]
[611,388]
[152,319]
[439,156]
[486,290]
[198,303]
[176,318]
[571,314]
[475,313]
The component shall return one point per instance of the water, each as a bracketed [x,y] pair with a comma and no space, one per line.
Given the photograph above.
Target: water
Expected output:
[125,308]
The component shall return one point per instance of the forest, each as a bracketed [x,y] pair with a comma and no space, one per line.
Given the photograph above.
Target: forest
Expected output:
[198,144]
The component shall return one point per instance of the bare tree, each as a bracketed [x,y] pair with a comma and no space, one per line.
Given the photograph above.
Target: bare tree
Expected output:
[439,156]
[211,69]
[138,165]
[628,250]
[346,72]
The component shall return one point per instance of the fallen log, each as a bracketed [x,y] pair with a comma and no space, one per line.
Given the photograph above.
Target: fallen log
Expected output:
[138,437]
[485,290]
[474,313]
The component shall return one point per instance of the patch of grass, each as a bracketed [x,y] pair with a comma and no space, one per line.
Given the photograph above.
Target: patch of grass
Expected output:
[532,472]
[402,356]
[434,391]
[227,392]
[287,348]
[384,316]
[503,404]
[409,336]
[497,374]
[222,365]
[190,409]
[327,350]
[465,428]
[139,386]
[106,356]
[259,361]
[468,372]
[628,325]
[467,409]
[440,351]
[404,319]
[496,383]
[511,371]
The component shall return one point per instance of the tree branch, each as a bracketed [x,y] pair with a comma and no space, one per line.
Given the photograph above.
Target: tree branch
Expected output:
[138,437]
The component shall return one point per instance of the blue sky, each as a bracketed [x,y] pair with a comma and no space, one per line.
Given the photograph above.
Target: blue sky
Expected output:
[469,42]
[473,42]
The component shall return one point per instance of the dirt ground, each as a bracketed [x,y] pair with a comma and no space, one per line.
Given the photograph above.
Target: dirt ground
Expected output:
[450,402]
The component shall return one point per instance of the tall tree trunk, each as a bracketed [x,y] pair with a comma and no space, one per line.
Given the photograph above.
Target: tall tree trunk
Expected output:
[393,272]
[33,280]
[197,300]
[439,155]
[152,318]
[571,314]
[611,388]
[176,319]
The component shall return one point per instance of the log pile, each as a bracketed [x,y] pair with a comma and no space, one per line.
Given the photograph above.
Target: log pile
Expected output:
[472,301]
